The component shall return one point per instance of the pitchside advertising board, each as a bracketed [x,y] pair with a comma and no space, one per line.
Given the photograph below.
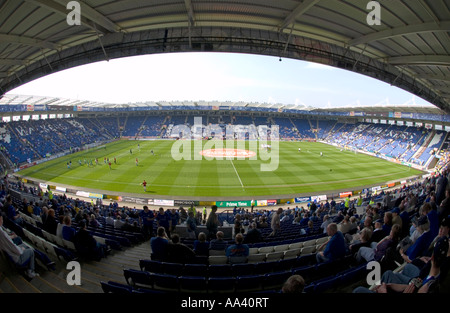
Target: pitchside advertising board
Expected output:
[245,203]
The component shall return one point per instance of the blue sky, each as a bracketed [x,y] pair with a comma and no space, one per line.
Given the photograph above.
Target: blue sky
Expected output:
[216,76]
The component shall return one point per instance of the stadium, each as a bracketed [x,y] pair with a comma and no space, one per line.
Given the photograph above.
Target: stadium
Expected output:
[283,171]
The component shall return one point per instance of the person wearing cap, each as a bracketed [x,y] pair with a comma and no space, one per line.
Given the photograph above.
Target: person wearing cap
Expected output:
[419,247]
[396,219]
[378,233]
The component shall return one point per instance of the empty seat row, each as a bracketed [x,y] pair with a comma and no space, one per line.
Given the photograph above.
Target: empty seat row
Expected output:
[251,282]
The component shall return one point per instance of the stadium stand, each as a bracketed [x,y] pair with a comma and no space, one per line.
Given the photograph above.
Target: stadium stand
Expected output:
[269,263]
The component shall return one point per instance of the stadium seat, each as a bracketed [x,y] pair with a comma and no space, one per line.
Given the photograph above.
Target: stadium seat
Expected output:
[172,268]
[256,258]
[274,256]
[308,250]
[219,270]
[282,247]
[136,277]
[165,282]
[114,287]
[264,268]
[193,284]
[195,270]
[325,284]
[151,266]
[242,269]
[249,283]
[275,280]
[221,284]
[265,250]
[291,253]
[218,259]
[284,265]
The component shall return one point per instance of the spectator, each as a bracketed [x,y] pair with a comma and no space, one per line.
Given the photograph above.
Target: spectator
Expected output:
[238,224]
[68,232]
[50,225]
[212,223]
[378,233]
[201,246]
[253,234]
[387,225]
[86,244]
[159,245]
[294,284]
[178,252]
[191,225]
[275,223]
[410,279]
[146,220]
[163,219]
[109,220]
[118,223]
[20,253]
[364,241]
[11,211]
[218,244]
[348,224]
[326,221]
[239,250]
[335,247]
[174,218]
[93,222]
[396,219]
[378,250]
[444,206]
[419,247]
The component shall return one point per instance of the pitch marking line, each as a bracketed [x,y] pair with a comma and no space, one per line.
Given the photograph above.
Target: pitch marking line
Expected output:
[237,174]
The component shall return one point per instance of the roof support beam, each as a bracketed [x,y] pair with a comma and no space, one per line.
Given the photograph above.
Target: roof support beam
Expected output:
[433,77]
[420,60]
[12,62]
[301,9]
[190,11]
[21,40]
[443,26]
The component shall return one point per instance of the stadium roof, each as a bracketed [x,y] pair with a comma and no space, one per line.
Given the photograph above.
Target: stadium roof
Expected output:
[409,49]
[40,101]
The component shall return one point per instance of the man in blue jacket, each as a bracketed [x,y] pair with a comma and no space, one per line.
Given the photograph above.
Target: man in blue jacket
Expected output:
[335,247]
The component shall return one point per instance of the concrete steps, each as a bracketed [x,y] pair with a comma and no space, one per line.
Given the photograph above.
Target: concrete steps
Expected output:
[92,272]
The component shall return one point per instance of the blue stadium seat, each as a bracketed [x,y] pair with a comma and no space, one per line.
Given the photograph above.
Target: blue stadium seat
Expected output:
[219,270]
[113,287]
[275,280]
[151,266]
[195,270]
[249,283]
[136,277]
[197,284]
[165,282]
[172,268]
[242,269]
[221,284]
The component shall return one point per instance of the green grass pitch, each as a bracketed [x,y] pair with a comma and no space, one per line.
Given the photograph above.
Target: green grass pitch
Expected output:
[297,172]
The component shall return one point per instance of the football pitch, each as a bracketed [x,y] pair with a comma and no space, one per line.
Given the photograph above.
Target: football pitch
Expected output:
[196,175]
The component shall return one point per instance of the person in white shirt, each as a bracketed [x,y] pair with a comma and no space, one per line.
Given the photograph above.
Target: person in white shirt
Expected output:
[20,254]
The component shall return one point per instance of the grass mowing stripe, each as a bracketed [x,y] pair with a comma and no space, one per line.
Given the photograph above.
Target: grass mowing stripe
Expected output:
[297,172]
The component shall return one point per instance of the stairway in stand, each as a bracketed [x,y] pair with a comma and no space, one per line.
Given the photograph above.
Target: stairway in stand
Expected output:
[92,272]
